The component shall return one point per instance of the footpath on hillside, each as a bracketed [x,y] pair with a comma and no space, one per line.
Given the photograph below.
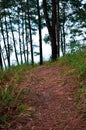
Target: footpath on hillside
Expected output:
[53,100]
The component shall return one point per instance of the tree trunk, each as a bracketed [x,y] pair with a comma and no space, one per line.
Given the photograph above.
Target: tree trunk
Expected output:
[27,36]
[51,27]
[58,30]
[40,33]
[31,43]
[3,35]
[8,44]
[64,49]
[1,65]
[14,43]
[30,31]
[23,34]
[20,47]
[64,18]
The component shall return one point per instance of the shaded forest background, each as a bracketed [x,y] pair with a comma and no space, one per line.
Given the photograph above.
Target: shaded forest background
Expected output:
[21,20]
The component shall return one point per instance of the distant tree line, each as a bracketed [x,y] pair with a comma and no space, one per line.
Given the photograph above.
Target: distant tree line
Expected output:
[20,20]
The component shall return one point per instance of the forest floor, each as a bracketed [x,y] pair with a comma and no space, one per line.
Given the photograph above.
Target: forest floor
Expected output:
[52,100]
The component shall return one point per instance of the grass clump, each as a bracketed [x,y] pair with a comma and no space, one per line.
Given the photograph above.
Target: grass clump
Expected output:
[11,105]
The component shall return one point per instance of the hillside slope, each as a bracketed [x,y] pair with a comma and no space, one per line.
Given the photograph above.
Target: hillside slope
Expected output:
[52,100]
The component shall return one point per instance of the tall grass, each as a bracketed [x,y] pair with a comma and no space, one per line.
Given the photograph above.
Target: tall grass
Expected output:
[12,102]
[12,105]
[76,60]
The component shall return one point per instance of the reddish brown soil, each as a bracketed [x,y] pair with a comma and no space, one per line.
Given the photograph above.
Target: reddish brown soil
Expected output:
[53,100]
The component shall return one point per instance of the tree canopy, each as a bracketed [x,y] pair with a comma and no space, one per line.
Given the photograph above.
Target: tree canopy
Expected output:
[21,20]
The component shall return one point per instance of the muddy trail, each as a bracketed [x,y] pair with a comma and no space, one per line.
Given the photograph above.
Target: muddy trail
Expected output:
[53,100]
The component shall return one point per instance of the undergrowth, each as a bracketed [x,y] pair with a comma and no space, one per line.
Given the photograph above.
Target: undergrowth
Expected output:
[12,105]
[77,62]
[81,100]
[14,74]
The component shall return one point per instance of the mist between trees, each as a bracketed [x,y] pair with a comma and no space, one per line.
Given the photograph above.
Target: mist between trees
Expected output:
[21,20]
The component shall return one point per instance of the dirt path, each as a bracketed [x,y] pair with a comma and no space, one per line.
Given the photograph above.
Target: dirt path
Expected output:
[53,100]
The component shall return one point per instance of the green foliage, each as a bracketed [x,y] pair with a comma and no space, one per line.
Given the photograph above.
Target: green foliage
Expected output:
[8,101]
[76,60]
[74,46]
[11,105]
[46,39]
[12,102]
[81,98]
